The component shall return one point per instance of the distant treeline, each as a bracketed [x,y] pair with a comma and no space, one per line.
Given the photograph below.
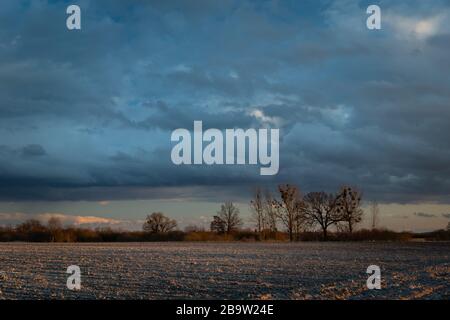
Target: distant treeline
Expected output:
[35,231]
[301,218]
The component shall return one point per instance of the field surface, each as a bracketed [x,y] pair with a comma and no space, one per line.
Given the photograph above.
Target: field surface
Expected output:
[225,270]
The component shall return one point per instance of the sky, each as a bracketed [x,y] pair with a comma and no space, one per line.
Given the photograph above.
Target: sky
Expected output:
[86,115]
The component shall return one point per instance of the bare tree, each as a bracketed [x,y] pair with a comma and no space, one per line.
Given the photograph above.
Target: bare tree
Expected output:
[55,226]
[157,222]
[374,211]
[270,213]
[229,214]
[33,230]
[30,226]
[54,223]
[348,207]
[320,208]
[263,213]
[289,209]
[257,209]
[218,225]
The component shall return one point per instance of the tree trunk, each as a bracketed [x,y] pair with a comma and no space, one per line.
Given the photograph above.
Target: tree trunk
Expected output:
[325,233]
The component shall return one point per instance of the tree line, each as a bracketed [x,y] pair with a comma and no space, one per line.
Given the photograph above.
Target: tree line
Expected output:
[299,214]
[306,217]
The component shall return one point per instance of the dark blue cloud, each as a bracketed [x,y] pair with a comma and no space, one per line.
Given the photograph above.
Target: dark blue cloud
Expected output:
[88,114]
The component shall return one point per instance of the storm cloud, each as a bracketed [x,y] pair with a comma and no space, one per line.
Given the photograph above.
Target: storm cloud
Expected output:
[87,115]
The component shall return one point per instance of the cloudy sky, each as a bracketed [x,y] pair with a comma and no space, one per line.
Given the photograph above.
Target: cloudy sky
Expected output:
[86,116]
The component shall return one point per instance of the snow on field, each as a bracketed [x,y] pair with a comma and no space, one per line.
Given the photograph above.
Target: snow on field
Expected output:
[225,270]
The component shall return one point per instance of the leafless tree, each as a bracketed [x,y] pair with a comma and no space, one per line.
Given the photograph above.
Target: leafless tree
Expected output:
[30,226]
[32,230]
[348,207]
[229,214]
[289,209]
[257,210]
[270,213]
[218,225]
[54,223]
[263,213]
[55,227]
[320,209]
[157,222]
[374,211]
